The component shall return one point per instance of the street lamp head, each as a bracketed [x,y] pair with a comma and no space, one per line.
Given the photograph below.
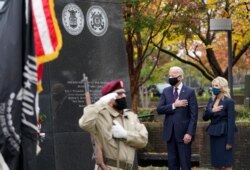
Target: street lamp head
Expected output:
[224,24]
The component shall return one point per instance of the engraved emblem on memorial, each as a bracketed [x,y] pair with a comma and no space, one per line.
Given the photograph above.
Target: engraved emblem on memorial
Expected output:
[73,19]
[97,20]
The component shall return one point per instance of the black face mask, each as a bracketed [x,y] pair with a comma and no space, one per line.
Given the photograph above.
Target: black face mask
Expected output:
[173,81]
[120,104]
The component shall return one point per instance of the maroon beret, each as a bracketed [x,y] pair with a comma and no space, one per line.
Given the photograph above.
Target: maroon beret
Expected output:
[112,86]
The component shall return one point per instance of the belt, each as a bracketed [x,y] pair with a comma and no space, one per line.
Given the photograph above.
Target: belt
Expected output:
[123,165]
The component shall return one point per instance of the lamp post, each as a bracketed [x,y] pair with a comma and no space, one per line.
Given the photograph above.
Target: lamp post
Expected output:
[225,25]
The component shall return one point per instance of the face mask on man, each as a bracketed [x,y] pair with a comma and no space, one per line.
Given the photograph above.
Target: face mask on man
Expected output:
[173,80]
[215,91]
[120,104]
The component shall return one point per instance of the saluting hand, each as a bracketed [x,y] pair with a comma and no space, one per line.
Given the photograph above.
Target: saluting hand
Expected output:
[108,98]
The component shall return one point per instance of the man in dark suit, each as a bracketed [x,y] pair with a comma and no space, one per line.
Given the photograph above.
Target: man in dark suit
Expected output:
[179,105]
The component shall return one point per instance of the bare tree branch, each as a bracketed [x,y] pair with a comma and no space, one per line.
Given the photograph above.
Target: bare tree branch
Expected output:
[186,62]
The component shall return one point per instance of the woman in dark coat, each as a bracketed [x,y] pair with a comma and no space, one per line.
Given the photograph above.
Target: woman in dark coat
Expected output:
[220,111]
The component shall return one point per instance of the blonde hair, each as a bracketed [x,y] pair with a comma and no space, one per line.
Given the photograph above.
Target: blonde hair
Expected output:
[223,83]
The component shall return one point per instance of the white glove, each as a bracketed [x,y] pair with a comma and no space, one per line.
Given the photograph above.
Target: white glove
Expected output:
[118,131]
[108,97]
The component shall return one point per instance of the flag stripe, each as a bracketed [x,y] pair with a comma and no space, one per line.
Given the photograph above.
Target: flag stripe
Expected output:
[58,36]
[47,47]
[40,19]
[37,40]
[48,10]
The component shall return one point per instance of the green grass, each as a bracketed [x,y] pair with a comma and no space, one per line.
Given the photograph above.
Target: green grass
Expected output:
[242,113]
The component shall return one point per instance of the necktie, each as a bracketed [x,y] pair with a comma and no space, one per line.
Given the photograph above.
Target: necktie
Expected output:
[175,93]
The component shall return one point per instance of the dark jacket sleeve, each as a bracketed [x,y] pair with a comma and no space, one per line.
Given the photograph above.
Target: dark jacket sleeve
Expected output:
[193,107]
[208,112]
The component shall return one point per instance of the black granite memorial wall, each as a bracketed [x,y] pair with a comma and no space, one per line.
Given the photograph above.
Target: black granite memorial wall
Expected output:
[93,45]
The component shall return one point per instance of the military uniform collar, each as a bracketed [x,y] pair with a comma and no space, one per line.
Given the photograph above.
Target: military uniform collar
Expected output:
[113,112]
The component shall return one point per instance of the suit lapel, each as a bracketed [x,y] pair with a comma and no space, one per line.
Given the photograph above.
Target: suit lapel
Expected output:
[170,94]
[182,92]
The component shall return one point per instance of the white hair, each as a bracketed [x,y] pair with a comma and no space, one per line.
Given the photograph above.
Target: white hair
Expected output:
[178,70]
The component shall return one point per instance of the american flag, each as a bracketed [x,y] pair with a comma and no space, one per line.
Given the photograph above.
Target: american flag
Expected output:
[47,36]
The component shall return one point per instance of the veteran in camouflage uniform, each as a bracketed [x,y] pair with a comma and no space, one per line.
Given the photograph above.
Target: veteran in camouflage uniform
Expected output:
[116,129]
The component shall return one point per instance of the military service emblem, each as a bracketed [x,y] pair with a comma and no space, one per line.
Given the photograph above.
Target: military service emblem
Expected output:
[73,19]
[97,20]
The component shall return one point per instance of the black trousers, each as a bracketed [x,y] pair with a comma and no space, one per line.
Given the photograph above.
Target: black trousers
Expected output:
[179,154]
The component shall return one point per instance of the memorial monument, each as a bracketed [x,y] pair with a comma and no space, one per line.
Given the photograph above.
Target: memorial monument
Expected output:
[94,46]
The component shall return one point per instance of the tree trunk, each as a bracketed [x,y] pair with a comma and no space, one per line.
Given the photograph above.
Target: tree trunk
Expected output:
[135,97]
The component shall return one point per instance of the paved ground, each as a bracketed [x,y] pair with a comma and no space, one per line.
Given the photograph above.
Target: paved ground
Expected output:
[165,168]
